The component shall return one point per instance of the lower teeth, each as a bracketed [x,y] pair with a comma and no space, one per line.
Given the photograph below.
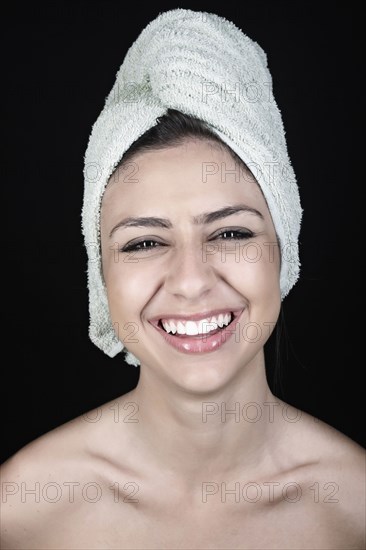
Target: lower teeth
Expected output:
[200,335]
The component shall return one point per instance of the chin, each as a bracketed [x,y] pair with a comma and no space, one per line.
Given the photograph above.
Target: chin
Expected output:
[208,374]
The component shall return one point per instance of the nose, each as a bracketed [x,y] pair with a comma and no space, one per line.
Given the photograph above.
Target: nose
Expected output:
[189,276]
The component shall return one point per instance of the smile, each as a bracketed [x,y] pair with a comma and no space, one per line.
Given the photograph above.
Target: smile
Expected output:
[193,328]
[199,333]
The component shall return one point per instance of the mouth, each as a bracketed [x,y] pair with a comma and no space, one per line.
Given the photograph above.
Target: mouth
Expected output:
[204,326]
[198,325]
[199,333]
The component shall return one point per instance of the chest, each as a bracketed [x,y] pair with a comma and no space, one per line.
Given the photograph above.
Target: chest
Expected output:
[225,525]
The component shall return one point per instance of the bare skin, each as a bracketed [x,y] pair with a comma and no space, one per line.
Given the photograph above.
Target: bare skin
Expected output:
[168,465]
[311,493]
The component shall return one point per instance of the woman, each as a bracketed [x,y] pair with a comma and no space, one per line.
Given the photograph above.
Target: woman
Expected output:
[191,219]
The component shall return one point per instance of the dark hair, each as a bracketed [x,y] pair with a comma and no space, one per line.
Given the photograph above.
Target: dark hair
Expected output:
[171,130]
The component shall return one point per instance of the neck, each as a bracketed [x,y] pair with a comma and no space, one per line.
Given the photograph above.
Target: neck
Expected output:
[197,434]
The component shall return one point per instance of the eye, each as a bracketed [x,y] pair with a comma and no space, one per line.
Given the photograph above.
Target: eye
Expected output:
[232,235]
[142,246]
[146,245]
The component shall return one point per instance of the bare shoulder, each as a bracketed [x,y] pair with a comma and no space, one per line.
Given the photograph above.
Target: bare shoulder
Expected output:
[337,475]
[345,461]
[49,481]
[335,451]
[32,481]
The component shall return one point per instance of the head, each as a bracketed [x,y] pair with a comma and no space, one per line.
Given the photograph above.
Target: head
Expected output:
[139,141]
[179,171]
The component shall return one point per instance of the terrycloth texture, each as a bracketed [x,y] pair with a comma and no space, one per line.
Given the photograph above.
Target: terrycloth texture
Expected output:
[203,65]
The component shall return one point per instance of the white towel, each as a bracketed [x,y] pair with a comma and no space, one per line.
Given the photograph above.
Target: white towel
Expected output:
[202,65]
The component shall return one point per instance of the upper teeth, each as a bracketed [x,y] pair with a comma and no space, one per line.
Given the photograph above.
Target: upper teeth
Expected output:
[191,328]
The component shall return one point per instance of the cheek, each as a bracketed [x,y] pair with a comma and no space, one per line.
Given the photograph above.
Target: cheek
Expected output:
[259,267]
[124,293]
[128,289]
[257,278]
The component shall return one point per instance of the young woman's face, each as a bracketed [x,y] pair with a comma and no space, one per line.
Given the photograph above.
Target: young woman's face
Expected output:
[189,263]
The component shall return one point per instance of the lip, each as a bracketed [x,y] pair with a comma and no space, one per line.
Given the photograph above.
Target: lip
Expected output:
[199,343]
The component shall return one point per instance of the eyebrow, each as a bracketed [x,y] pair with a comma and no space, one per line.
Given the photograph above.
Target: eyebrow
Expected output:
[201,219]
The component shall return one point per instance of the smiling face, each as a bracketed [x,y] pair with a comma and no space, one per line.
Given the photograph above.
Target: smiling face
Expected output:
[190,264]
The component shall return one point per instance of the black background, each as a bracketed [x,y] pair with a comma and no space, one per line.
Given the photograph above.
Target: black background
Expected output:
[60,62]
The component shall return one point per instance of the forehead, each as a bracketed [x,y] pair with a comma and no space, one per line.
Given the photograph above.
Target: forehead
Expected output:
[188,176]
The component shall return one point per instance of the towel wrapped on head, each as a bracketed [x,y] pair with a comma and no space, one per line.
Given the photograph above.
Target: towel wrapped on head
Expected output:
[204,66]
